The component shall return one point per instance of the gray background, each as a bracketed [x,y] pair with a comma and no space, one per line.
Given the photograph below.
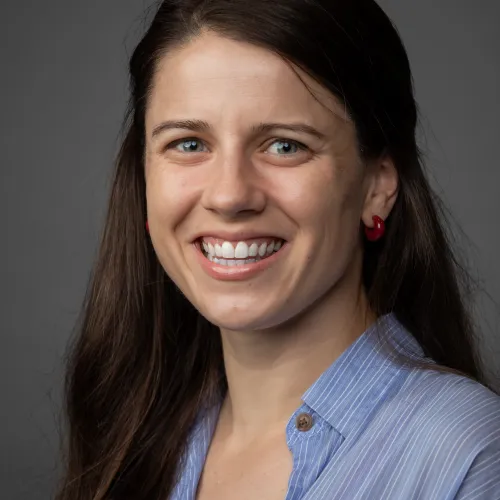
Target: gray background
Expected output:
[63,92]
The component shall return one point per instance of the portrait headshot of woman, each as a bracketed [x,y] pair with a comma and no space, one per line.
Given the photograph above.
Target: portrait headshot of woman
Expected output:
[276,309]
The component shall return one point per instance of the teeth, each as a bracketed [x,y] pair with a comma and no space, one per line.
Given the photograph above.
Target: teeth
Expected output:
[220,261]
[241,250]
[227,250]
[252,251]
[224,262]
[227,254]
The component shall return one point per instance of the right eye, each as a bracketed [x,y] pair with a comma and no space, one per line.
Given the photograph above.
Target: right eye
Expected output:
[188,145]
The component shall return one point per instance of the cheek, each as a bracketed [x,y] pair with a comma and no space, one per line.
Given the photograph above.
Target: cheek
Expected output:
[170,198]
[170,194]
[310,195]
[326,207]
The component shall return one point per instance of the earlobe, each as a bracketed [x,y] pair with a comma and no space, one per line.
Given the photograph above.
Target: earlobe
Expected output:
[382,192]
[375,233]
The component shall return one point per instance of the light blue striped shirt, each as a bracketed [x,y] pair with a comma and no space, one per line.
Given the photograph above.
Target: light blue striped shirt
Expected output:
[381,431]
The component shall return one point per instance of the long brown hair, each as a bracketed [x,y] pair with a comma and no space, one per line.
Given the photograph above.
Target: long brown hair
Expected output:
[145,361]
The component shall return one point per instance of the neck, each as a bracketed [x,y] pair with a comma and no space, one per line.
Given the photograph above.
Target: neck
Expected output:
[268,371]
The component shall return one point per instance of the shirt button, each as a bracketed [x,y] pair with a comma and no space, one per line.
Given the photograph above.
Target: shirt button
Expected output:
[304,422]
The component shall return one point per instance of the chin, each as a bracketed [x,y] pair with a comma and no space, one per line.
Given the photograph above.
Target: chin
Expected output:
[238,320]
[242,315]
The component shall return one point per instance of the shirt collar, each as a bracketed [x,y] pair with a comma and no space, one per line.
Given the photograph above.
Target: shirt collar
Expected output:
[363,376]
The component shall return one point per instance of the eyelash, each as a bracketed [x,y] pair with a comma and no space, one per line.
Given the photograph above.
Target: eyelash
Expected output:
[299,145]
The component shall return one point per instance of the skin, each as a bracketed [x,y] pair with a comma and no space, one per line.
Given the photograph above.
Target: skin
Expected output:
[283,327]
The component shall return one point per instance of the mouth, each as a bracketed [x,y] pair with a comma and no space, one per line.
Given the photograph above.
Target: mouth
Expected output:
[239,253]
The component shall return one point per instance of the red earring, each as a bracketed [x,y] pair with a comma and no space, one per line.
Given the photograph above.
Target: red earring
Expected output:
[147,226]
[375,233]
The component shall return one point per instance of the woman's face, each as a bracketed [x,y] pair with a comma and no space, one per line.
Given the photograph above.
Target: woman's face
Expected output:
[255,190]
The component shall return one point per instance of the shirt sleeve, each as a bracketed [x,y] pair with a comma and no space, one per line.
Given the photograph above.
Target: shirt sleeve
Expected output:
[482,481]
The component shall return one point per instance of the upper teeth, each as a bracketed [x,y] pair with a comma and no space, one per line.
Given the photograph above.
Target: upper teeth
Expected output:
[242,249]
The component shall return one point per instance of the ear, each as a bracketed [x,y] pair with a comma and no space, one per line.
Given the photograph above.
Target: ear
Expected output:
[382,190]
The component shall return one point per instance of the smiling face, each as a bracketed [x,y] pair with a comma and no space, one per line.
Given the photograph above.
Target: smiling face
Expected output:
[255,189]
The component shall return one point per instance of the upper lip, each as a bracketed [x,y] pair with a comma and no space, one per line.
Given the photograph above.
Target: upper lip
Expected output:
[243,235]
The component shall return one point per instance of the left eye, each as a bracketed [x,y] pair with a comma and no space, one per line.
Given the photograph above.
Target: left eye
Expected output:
[285,147]
[189,146]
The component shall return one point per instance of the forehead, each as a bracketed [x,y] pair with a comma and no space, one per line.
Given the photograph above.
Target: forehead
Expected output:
[216,78]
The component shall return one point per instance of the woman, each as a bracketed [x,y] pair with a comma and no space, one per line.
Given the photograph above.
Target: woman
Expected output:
[275,312]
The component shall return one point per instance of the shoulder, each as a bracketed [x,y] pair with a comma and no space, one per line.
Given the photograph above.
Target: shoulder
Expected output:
[456,422]
[441,433]
[445,404]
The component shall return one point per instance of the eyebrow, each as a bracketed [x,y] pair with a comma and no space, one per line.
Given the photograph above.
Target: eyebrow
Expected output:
[194,125]
[292,127]
[261,128]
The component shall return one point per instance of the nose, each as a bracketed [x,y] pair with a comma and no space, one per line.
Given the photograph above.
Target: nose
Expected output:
[234,188]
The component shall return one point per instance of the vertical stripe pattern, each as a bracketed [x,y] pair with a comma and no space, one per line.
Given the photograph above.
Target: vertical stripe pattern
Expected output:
[382,431]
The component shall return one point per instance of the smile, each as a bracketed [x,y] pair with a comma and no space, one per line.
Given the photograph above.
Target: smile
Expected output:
[239,253]
[226,260]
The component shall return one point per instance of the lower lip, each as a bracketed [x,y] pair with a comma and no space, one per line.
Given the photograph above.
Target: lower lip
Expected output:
[241,272]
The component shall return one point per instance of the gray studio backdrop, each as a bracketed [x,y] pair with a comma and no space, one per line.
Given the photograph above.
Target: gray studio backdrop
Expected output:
[63,91]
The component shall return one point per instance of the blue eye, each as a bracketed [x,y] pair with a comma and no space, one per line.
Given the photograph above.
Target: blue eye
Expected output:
[189,146]
[285,147]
